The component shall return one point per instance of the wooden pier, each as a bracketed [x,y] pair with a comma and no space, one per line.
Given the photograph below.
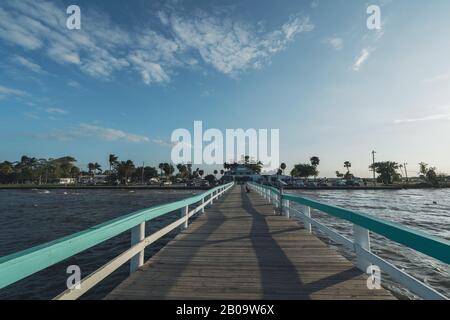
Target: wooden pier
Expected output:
[240,248]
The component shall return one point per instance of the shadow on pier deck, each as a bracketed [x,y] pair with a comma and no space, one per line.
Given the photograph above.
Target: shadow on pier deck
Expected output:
[240,249]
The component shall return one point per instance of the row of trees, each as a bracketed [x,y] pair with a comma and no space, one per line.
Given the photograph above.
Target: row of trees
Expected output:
[305,170]
[254,166]
[43,171]
[387,171]
[29,169]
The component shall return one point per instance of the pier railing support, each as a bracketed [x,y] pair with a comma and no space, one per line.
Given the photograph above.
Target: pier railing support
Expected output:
[184,212]
[287,209]
[307,213]
[203,205]
[362,242]
[137,235]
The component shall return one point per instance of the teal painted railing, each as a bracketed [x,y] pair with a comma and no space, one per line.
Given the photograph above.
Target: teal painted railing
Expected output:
[429,245]
[22,264]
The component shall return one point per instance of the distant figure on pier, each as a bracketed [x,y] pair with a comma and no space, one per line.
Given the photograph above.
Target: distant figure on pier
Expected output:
[247,188]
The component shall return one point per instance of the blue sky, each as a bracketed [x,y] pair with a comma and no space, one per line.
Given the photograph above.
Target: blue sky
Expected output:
[137,70]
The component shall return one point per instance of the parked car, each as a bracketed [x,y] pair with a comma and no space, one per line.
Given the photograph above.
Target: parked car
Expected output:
[339,183]
[153,181]
[298,184]
[323,184]
[353,183]
[204,183]
[311,184]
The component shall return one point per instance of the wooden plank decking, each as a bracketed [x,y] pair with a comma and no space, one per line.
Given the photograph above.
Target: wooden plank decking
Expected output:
[239,249]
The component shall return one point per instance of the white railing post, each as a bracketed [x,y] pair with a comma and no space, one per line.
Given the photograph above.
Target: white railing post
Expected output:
[184,212]
[212,198]
[288,209]
[270,195]
[137,235]
[307,213]
[203,205]
[362,242]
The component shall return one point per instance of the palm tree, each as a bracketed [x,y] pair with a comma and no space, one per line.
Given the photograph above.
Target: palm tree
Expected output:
[125,169]
[161,167]
[387,171]
[423,168]
[112,161]
[168,169]
[348,175]
[348,165]
[283,167]
[315,161]
[401,169]
[97,168]
[74,172]
[91,168]
[189,170]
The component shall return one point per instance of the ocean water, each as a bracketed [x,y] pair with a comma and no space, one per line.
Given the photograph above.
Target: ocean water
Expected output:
[33,217]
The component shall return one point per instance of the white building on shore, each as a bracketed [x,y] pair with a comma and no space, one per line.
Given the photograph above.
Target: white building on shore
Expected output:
[241,173]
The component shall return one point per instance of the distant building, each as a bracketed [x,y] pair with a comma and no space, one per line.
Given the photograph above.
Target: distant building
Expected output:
[85,179]
[241,173]
[92,180]
[100,179]
[66,181]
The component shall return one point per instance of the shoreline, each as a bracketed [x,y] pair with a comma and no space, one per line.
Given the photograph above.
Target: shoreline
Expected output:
[182,187]
[63,187]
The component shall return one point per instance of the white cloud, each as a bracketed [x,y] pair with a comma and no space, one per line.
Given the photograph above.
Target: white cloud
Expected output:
[336,42]
[101,49]
[73,84]
[231,47]
[28,64]
[5,91]
[85,130]
[110,134]
[438,78]
[56,111]
[150,71]
[361,59]
[434,117]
